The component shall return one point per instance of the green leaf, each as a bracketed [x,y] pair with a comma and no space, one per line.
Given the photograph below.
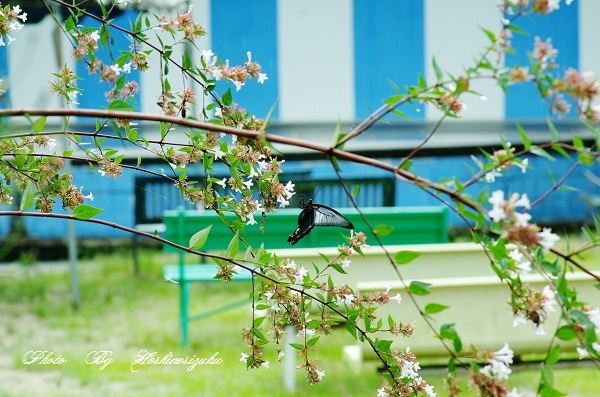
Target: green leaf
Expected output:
[553,130]
[313,341]
[356,190]
[121,106]
[351,327]
[553,355]
[39,124]
[199,238]
[433,308]
[383,230]
[27,199]
[538,151]
[234,246]
[491,35]
[566,333]
[419,288]
[297,346]
[405,257]
[438,72]
[227,97]
[85,211]
[524,137]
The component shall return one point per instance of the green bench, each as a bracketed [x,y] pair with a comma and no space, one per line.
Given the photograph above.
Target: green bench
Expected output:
[412,225]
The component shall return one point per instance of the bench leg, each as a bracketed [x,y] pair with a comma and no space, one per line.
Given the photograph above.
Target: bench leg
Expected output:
[184,291]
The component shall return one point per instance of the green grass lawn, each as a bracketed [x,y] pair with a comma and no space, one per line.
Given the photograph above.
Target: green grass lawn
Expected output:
[126,314]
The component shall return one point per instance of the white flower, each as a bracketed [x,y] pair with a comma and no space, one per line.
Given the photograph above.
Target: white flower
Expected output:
[523,165]
[218,152]
[127,67]
[89,196]
[594,316]
[265,364]
[519,320]
[521,202]
[95,35]
[102,172]
[207,55]
[280,355]
[290,264]
[382,393]
[524,267]
[222,182]
[306,331]
[522,219]
[497,212]
[238,85]
[583,353]
[320,374]
[513,393]
[429,390]
[505,355]
[299,278]
[116,69]
[396,298]
[409,370]
[348,299]
[251,220]
[268,295]
[262,77]
[538,329]
[248,184]
[548,238]
[262,165]
[548,302]
[496,370]
[244,357]
[52,144]
[275,307]
[345,263]
[515,255]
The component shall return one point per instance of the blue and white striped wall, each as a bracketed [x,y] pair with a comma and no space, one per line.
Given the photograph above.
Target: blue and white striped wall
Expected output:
[333,60]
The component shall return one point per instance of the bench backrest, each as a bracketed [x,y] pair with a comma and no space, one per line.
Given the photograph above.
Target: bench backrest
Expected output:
[411,225]
[154,195]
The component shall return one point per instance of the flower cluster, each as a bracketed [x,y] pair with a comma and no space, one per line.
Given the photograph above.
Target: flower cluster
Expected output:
[65,85]
[9,22]
[236,74]
[534,306]
[491,378]
[183,23]
[408,382]
[594,316]
[515,225]
[504,159]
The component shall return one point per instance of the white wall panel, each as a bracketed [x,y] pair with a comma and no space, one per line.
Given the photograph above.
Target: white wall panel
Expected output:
[453,36]
[32,59]
[589,34]
[316,60]
[150,84]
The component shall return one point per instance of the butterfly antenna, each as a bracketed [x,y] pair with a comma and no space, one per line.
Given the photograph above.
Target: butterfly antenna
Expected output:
[316,192]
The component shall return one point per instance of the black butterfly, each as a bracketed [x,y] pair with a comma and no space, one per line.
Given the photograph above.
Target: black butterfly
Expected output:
[317,215]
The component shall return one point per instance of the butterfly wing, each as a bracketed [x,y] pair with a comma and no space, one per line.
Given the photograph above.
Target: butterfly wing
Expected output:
[317,215]
[326,216]
[305,224]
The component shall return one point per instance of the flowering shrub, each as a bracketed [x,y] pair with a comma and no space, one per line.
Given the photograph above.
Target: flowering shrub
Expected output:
[222,131]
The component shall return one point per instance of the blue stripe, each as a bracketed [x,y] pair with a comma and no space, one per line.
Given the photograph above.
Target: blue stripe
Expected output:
[92,95]
[389,45]
[238,27]
[523,100]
